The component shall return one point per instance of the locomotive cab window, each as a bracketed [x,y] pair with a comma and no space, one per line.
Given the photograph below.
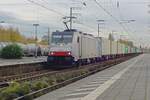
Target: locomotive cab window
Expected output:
[62,38]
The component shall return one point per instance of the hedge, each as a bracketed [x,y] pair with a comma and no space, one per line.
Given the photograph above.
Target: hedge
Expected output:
[12,51]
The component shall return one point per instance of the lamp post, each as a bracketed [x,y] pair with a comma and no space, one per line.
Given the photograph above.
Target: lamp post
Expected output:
[48,33]
[36,39]
[100,22]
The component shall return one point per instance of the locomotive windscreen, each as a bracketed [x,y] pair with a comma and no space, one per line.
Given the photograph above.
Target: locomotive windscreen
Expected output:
[61,37]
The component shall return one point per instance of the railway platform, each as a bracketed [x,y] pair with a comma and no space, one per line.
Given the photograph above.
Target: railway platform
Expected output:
[129,80]
[24,60]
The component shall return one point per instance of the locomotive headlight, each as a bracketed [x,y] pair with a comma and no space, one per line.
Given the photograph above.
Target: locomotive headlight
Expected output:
[69,53]
[52,53]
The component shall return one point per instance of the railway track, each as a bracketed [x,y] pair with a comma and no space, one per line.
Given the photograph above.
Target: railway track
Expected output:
[22,76]
[35,75]
[31,76]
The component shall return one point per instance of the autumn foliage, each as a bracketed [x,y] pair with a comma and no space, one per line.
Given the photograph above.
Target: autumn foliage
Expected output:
[11,35]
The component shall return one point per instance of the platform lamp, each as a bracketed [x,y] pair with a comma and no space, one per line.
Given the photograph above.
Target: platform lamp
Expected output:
[36,39]
[100,22]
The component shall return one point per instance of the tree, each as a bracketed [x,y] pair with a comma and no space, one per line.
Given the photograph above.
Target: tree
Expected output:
[11,35]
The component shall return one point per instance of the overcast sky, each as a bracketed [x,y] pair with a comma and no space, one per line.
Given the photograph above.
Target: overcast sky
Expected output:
[22,14]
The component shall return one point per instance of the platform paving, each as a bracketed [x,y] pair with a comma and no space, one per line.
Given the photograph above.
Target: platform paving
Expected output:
[24,60]
[129,80]
[133,85]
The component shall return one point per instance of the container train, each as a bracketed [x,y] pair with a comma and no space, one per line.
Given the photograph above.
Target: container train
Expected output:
[72,47]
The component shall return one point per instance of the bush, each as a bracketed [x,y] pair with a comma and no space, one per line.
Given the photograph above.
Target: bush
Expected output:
[12,51]
[24,89]
[15,90]
[60,78]
[10,92]
[39,85]
[82,72]
[50,81]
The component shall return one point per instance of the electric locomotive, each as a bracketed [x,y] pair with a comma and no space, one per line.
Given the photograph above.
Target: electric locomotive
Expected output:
[72,47]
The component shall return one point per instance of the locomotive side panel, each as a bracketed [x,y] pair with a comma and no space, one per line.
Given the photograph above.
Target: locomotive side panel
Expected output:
[76,51]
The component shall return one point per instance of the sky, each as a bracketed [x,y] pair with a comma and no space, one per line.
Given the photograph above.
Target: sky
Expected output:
[22,14]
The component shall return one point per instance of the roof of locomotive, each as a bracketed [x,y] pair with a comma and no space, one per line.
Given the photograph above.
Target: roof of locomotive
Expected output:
[72,31]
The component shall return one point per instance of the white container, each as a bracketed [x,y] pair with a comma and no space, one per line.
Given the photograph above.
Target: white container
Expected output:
[120,46]
[89,46]
[105,46]
[114,47]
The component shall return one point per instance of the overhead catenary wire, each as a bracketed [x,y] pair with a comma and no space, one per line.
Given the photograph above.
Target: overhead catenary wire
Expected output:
[122,18]
[114,7]
[120,15]
[45,1]
[99,5]
[14,4]
[92,28]
[20,4]
[51,10]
